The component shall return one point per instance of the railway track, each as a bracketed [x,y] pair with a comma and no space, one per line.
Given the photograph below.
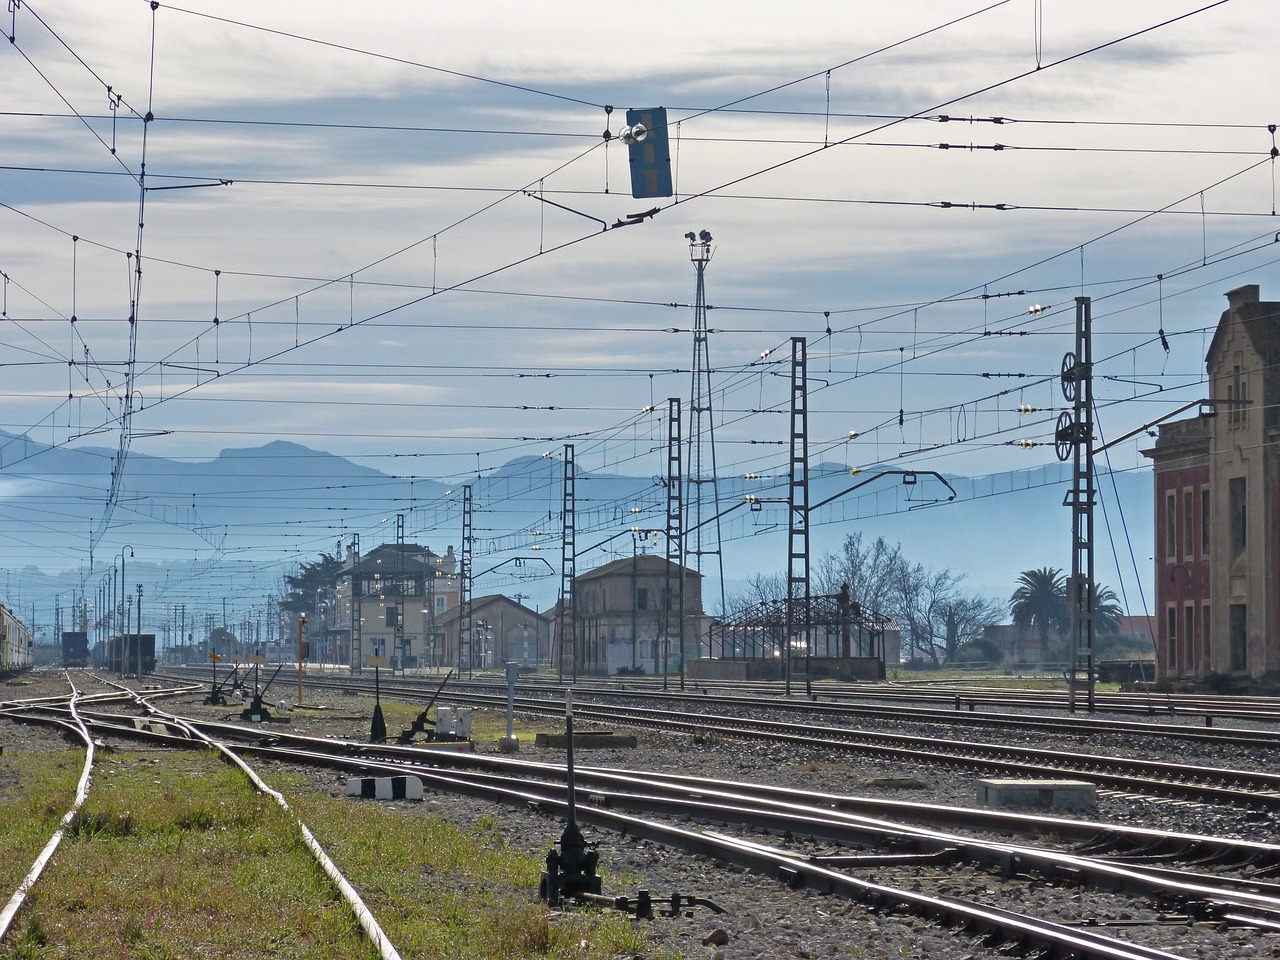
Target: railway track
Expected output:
[961,711]
[76,725]
[829,844]
[1258,789]
[67,714]
[1038,711]
[949,693]
[1205,898]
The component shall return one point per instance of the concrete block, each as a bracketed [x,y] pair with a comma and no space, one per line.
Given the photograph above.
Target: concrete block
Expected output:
[1043,794]
[584,741]
[385,788]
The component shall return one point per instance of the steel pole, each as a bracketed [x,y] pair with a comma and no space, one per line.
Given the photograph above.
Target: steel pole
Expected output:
[302,626]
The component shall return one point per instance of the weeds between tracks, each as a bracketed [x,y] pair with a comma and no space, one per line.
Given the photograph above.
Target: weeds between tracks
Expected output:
[174,855]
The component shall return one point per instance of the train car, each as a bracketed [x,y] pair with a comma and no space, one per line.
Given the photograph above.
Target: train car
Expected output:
[75,648]
[128,653]
[17,646]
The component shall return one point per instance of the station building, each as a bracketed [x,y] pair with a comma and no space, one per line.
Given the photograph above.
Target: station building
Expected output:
[1217,502]
[628,620]
[390,603]
[503,630]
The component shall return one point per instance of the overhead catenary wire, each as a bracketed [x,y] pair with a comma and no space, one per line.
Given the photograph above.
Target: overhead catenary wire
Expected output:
[859,330]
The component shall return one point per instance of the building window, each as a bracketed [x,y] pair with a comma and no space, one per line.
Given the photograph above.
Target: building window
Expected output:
[1204,636]
[1188,524]
[1237,631]
[1235,396]
[1171,640]
[642,598]
[1204,521]
[1189,640]
[1239,516]
[1170,527]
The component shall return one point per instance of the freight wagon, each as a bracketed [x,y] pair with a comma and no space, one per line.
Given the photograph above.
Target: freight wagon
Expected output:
[75,648]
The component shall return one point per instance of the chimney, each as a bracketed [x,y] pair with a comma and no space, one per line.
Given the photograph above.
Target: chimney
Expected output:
[1242,296]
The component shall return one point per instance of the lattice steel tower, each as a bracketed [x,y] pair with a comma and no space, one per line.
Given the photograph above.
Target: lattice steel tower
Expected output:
[699,540]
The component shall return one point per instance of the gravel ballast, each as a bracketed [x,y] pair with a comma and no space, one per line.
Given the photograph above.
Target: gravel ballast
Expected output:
[764,918]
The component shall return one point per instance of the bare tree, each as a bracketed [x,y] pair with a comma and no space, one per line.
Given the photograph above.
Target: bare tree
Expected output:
[935,616]
[761,588]
[917,599]
[870,571]
[966,619]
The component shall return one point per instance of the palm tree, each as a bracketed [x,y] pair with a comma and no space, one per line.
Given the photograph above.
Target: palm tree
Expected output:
[1106,612]
[1041,601]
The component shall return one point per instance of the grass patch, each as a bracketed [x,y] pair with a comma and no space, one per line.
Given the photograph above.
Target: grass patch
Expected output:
[442,890]
[174,856]
[36,789]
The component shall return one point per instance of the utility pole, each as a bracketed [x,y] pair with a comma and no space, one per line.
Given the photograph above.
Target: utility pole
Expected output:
[302,629]
[567,621]
[464,586]
[1074,439]
[400,598]
[138,638]
[798,595]
[356,651]
[701,422]
[674,586]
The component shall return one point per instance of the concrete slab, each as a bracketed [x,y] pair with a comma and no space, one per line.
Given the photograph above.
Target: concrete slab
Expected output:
[385,788]
[1044,794]
[583,741]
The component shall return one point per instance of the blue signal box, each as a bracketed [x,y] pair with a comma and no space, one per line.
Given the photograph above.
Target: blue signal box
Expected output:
[650,156]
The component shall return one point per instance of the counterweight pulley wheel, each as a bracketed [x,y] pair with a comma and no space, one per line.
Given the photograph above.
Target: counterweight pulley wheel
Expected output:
[1064,438]
[1069,377]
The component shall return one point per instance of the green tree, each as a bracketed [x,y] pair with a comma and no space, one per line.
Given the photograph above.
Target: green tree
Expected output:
[320,574]
[1106,612]
[1040,601]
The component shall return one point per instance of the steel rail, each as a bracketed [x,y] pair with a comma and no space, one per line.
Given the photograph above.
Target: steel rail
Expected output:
[779,801]
[818,822]
[835,705]
[14,904]
[1263,709]
[975,818]
[364,916]
[1074,726]
[1027,931]
[723,804]
[1249,787]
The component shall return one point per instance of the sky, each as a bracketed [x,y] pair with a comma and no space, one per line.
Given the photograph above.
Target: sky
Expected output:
[386,231]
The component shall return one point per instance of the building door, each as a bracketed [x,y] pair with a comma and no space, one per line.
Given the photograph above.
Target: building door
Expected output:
[1237,636]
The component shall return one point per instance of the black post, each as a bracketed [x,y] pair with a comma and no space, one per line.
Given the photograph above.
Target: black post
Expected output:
[139,637]
[571,871]
[378,729]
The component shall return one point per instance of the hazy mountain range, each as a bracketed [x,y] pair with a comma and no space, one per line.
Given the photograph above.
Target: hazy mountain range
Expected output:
[225,530]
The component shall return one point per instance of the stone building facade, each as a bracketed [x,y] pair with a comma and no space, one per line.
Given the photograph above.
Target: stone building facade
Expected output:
[1218,508]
